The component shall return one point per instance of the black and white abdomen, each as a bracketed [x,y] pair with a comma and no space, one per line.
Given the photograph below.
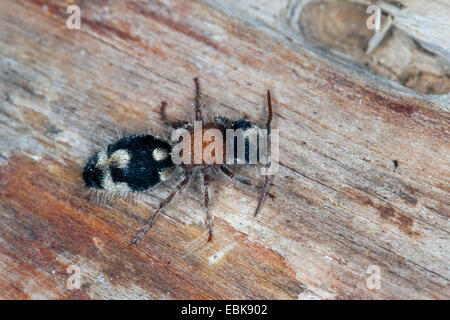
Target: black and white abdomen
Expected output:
[130,164]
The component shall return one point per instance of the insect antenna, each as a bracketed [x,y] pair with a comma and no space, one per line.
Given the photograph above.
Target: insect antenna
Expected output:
[198,111]
[264,189]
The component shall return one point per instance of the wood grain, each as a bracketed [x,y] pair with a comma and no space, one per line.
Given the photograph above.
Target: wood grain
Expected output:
[336,206]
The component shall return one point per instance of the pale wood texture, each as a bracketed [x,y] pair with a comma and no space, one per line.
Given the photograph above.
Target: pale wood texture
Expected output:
[336,206]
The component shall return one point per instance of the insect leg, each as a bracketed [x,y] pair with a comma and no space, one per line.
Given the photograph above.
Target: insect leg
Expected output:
[163,203]
[198,111]
[231,175]
[263,194]
[174,124]
[206,203]
[269,112]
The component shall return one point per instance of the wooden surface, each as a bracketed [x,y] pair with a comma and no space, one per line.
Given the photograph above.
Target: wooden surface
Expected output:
[337,205]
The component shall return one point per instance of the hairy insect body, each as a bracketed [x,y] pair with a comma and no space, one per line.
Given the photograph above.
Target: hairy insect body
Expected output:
[134,163]
[223,142]
[140,162]
[199,153]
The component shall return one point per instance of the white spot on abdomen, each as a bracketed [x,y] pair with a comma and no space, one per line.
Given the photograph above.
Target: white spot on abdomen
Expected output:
[120,158]
[160,154]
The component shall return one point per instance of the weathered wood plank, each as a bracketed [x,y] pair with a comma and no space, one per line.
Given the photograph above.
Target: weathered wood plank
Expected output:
[336,206]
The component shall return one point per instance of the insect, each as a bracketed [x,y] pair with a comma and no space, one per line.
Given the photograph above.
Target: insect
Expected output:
[140,162]
[395,163]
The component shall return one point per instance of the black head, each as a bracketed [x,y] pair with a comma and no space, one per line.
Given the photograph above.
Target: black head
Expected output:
[244,125]
[92,175]
[250,135]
